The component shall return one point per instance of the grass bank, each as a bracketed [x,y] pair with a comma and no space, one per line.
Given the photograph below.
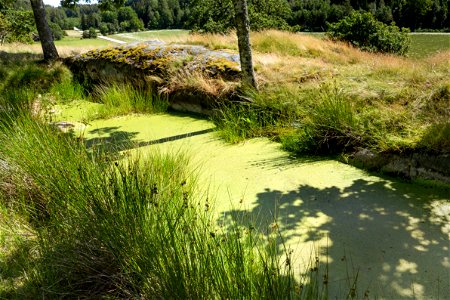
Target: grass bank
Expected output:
[321,97]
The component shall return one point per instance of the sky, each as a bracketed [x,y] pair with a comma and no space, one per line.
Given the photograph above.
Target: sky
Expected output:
[52,2]
[58,2]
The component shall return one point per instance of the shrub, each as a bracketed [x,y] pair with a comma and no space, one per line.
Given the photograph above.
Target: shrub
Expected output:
[57,32]
[364,31]
[104,29]
[90,34]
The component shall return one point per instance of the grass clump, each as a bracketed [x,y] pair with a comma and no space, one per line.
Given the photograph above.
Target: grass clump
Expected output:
[260,114]
[437,138]
[136,228]
[124,99]
[330,126]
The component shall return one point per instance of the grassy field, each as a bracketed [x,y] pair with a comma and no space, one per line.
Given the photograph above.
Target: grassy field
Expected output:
[151,35]
[423,44]
[77,42]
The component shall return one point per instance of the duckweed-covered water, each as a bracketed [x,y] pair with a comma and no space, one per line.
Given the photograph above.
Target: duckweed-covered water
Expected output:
[387,238]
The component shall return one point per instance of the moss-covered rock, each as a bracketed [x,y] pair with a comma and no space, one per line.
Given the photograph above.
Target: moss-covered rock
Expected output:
[161,65]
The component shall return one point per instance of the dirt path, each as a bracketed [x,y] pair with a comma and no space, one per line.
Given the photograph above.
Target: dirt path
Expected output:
[390,237]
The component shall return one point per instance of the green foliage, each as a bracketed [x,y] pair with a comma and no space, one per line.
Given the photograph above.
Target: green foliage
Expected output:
[57,32]
[123,99]
[17,26]
[332,127]
[313,15]
[364,31]
[218,16]
[128,20]
[90,34]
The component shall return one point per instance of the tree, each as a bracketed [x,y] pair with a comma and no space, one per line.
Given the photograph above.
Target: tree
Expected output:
[45,34]
[245,50]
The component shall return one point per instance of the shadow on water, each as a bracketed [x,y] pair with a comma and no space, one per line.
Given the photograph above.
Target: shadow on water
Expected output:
[113,140]
[392,237]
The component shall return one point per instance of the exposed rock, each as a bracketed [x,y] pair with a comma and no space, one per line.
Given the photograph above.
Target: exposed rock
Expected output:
[415,165]
[163,67]
[66,126]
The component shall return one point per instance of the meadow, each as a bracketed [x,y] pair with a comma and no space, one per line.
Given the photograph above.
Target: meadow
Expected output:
[77,222]
[425,44]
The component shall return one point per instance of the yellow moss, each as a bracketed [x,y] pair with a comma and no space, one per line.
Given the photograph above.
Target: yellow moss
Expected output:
[222,65]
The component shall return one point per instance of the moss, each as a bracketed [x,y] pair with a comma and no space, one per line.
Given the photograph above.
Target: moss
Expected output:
[222,66]
[162,61]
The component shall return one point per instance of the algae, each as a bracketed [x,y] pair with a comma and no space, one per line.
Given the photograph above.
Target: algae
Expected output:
[391,236]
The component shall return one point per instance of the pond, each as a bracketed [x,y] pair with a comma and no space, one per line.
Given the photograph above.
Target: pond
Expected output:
[388,238]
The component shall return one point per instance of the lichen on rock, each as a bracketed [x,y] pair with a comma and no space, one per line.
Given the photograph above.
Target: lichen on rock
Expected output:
[159,65]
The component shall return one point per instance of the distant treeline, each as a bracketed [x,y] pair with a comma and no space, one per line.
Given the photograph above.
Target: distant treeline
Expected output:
[308,15]
[217,15]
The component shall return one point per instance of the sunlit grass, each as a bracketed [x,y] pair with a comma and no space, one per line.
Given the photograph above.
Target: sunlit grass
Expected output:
[172,34]
[423,44]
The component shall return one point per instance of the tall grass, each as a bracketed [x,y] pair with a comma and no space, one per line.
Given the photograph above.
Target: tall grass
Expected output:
[123,99]
[131,229]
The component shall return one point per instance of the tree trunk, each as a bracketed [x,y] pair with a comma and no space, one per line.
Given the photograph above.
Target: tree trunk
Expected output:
[45,34]
[245,50]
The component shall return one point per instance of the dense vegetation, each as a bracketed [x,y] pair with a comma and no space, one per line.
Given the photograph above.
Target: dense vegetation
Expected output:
[217,16]
[362,30]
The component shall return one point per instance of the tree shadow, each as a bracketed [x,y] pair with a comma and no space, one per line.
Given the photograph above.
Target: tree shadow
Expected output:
[391,238]
[287,162]
[111,140]
[7,58]
[15,270]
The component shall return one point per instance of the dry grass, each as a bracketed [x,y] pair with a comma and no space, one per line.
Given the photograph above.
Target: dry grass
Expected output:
[63,50]
[199,84]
